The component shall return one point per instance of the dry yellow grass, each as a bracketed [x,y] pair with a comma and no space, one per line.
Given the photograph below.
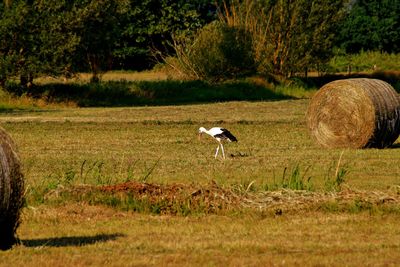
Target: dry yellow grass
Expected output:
[81,235]
[272,135]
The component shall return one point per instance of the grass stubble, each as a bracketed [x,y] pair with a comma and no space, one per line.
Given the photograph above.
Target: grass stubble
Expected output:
[126,238]
[67,147]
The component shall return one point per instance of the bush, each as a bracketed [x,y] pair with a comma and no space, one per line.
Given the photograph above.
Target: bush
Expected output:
[217,52]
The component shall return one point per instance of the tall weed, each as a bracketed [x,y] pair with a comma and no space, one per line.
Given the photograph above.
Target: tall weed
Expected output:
[334,182]
[292,178]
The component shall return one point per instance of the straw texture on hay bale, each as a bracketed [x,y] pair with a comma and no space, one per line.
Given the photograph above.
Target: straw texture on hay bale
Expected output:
[11,191]
[355,113]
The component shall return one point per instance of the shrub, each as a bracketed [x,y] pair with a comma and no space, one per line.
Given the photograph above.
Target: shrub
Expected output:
[217,52]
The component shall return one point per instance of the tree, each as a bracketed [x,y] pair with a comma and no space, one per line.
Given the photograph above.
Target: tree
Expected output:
[301,34]
[150,24]
[34,40]
[289,35]
[99,27]
[371,25]
[42,37]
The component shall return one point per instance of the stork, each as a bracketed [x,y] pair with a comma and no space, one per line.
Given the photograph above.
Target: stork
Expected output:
[219,134]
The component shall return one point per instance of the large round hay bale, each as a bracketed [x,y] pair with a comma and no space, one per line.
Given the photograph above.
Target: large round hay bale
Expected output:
[355,113]
[11,191]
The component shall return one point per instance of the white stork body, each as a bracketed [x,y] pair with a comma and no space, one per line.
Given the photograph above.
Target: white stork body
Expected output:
[219,134]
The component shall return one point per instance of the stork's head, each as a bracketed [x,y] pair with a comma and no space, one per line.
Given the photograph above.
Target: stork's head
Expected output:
[201,131]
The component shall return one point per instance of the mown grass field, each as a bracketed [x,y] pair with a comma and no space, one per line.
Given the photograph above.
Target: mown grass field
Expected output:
[66,147]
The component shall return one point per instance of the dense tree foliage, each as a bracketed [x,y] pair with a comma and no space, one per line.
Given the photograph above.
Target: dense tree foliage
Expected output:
[61,37]
[288,36]
[149,24]
[99,26]
[55,37]
[35,38]
[371,25]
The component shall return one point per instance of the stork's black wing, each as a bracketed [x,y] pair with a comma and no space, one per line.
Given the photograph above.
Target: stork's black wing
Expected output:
[227,135]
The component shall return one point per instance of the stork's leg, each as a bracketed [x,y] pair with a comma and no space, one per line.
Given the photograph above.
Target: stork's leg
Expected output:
[216,152]
[223,152]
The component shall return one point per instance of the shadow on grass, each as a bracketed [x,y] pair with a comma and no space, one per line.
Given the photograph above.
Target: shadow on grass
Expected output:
[141,93]
[70,241]
[22,109]
[175,92]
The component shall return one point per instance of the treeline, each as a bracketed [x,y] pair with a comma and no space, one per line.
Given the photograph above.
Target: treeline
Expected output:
[281,37]
[65,36]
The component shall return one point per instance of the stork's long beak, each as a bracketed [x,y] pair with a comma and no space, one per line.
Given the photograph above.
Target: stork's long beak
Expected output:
[200,136]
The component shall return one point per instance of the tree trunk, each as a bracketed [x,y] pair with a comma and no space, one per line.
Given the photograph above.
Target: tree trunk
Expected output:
[26,80]
[3,82]
[95,68]
[23,80]
[7,3]
[349,69]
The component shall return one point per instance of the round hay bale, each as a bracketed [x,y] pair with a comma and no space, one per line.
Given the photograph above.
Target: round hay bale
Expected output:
[11,191]
[355,113]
